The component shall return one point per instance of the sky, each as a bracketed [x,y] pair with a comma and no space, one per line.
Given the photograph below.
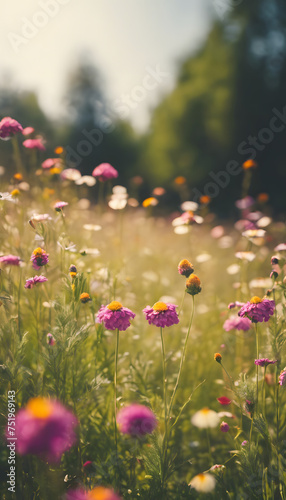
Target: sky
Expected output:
[42,41]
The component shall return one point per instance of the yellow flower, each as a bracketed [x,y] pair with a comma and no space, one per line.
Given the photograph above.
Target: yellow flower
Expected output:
[218,357]
[114,306]
[84,297]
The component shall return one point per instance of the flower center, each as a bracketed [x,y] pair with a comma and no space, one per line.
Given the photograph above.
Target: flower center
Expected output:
[255,300]
[160,306]
[39,407]
[205,411]
[201,477]
[114,306]
[99,493]
[38,251]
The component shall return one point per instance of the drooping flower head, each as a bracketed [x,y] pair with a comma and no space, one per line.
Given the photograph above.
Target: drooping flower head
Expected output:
[237,323]
[10,260]
[193,285]
[205,418]
[45,428]
[136,420]
[282,377]
[9,127]
[185,268]
[97,493]
[265,362]
[258,310]
[161,314]
[39,258]
[84,297]
[31,282]
[203,483]
[104,172]
[114,316]
[34,144]
[50,339]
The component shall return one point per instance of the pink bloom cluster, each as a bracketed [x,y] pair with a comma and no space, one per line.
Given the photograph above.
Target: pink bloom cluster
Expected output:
[114,316]
[39,258]
[9,127]
[10,260]
[237,323]
[34,144]
[136,420]
[31,282]
[161,314]
[104,172]
[258,310]
[282,377]
[265,362]
[45,428]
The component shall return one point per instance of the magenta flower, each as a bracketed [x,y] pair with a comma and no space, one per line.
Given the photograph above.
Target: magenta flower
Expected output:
[136,420]
[10,260]
[34,144]
[45,428]
[28,130]
[97,493]
[87,464]
[237,323]
[39,258]
[9,127]
[244,443]
[31,282]
[161,314]
[282,377]
[232,305]
[224,427]
[244,202]
[224,401]
[114,316]
[59,205]
[265,362]
[50,339]
[51,162]
[104,172]
[258,310]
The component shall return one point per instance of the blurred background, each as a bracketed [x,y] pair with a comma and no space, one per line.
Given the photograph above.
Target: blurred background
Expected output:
[160,90]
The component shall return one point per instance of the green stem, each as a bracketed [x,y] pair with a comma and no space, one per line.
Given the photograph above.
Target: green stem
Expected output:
[164,379]
[17,155]
[257,357]
[115,398]
[263,393]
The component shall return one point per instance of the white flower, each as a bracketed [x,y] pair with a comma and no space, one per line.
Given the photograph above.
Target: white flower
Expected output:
[117,203]
[204,483]
[233,269]
[7,197]
[250,256]
[189,205]
[205,418]
[92,227]
[86,179]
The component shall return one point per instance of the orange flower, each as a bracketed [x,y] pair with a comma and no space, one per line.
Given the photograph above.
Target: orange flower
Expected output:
[180,180]
[263,197]
[84,297]
[59,150]
[18,177]
[150,202]
[205,199]
[249,164]
[218,357]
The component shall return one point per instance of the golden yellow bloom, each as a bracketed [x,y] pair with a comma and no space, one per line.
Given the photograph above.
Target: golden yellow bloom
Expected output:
[218,357]
[38,251]
[150,202]
[55,170]
[39,407]
[15,193]
[18,176]
[59,150]
[193,285]
[114,306]
[255,300]
[160,306]
[84,297]
[249,164]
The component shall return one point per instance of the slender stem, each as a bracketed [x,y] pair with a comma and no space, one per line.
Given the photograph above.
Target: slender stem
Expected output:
[250,434]
[182,303]
[17,155]
[115,395]
[209,444]
[257,357]
[263,393]
[182,358]
[277,407]
[164,379]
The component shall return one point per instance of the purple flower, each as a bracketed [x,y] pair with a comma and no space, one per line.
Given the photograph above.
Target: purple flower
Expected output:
[265,362]
[114,316]
[59,205]
[50,339]
[232,305]
[136,420]
[104,172]
[45,428]
[31,282]
[39,258]
[282,377]
[10,260]
[224,427]
[258,310]
[244,443]
[34,144]
[9,127]
[244,202]
[161,314]
[236,323]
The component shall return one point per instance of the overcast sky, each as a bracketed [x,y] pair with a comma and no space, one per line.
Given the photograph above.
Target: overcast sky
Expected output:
[124,38]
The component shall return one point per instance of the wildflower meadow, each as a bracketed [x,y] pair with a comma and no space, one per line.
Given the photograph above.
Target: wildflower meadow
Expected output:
[142,349]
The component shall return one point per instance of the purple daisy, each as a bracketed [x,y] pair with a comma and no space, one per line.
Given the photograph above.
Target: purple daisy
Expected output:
[45,428]
[237,323]
[136,420]
[161,314]
[31,282]
[10,260]
[258,310]
[282,377]
[265,362]
[114,316]
[9,127]
[39,258]
[104,172]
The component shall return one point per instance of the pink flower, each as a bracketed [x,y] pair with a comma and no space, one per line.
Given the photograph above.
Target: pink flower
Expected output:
[39,258]
[10,260]
[44,428]
[9,127]
[232,305]
[34,144]
[161,314]
[59,205]
[244,203]
[280,248]
[224,427]
[104,172]
[51,162]
[87,464]
[224,401]
[244,443]
[97,493]
[50,339]
[28,130]
[136,420]
[258,310]
[237,323]
[31,282]
[264,362]
[114,316]
[282,377]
